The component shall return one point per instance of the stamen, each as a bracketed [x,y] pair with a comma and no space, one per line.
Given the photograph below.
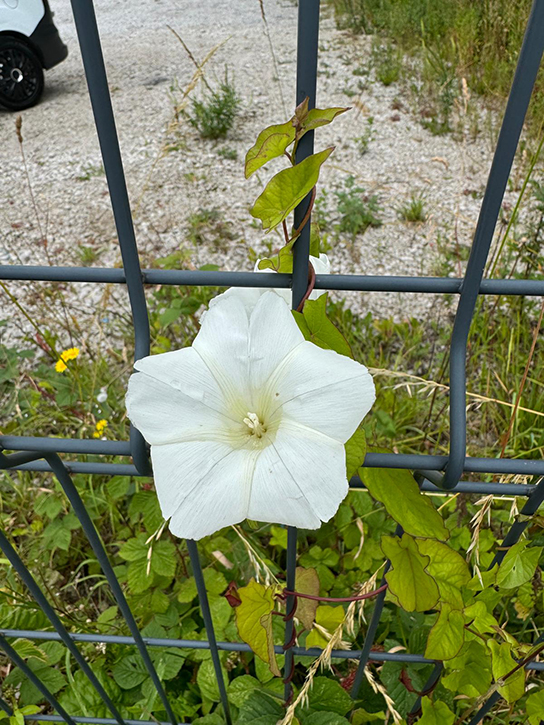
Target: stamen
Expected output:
[254,424]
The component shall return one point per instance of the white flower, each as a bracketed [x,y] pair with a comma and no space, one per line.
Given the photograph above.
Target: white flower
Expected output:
[249,422]
[102,395]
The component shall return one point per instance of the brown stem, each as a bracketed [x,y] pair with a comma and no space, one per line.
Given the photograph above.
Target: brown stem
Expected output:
[358,598]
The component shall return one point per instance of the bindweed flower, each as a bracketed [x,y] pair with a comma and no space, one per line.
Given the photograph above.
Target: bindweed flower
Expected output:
[65,356]
[249,422]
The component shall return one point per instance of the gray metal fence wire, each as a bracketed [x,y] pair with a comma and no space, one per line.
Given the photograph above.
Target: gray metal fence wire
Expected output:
[433,472]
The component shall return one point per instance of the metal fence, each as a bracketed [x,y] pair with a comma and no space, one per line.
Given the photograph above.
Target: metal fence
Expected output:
[433,472]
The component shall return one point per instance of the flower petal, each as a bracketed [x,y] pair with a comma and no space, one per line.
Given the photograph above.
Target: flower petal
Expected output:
[274,334]
[299,480]
[184,370]
[202,487]
[164,414]
[323,390]
[243,353]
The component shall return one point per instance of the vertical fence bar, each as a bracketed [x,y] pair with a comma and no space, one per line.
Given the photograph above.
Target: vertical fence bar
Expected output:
[518,102]
[208,623]
[72,493]
[307,50]
[97,81]
[372,628]
[49,612]
[14,657]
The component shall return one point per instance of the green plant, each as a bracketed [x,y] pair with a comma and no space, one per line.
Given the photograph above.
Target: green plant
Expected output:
[90,171]
[414,210]
[357,210]
[387,61]
[213,115]
[208,226]
[366,137]
[228,153]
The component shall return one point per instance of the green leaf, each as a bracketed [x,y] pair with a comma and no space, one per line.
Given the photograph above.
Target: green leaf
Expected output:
[118,486]
[254,621]
[279,536]
[137,577]
[130,671]
[470,672]
[134,549]
[435,713]
[287,189]
[448,568]
[502,663]
[187,590]
[281,262]
[535,707]
[319,117]
[207,681]
[355,452]
[260,709]
[361,716]
[163,558]
[328,617]
[447,636]
[306,582]
[317,328]
[271,142]
[323,717]
[329,696]
[415,589]
[479,618]
[400,494]
[215,581]
[518,566]
[241,688]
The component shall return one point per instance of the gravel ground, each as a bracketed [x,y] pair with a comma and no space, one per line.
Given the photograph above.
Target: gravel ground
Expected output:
[145,63]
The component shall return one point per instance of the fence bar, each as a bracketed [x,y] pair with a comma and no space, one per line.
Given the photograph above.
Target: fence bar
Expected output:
[120,469]
[199,644]
[307,50]
[96,720]
[518,102]
[205,278]
[14,657]
[414,462]
[208,623]
[372,628]
[88,527]
[49,612]
[97,82]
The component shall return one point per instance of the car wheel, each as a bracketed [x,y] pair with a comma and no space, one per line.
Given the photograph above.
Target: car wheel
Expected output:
[21,75]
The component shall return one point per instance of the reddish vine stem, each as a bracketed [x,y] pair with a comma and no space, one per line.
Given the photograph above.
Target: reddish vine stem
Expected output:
[303,223]
[311,285]
[359,598]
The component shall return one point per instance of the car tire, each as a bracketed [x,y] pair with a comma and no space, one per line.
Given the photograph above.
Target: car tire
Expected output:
[21,75]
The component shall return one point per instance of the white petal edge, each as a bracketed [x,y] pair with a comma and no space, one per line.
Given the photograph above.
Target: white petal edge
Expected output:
[299,480]
[201,487]
[323,390]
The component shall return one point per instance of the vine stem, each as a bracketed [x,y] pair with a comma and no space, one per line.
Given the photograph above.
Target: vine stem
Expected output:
[359,598]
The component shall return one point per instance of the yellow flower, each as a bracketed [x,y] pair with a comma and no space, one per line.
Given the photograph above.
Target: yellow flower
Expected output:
[70,354]
[101,425]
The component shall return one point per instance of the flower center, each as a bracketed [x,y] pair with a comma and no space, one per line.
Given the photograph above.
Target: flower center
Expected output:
[256,427]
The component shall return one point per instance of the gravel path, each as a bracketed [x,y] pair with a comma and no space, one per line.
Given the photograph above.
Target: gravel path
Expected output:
[146,64]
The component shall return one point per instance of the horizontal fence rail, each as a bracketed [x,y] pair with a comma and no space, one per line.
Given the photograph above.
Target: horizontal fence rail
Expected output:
[436,474]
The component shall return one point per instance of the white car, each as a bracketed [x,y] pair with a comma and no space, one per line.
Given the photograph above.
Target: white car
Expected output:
[29,42]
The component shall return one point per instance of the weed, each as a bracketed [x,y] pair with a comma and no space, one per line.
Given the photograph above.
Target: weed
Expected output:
[228,153]
[366,137]
[387,62]
[214,115]
[357,210]
[207,226]
[87,254]
[89,171]
[414,210]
